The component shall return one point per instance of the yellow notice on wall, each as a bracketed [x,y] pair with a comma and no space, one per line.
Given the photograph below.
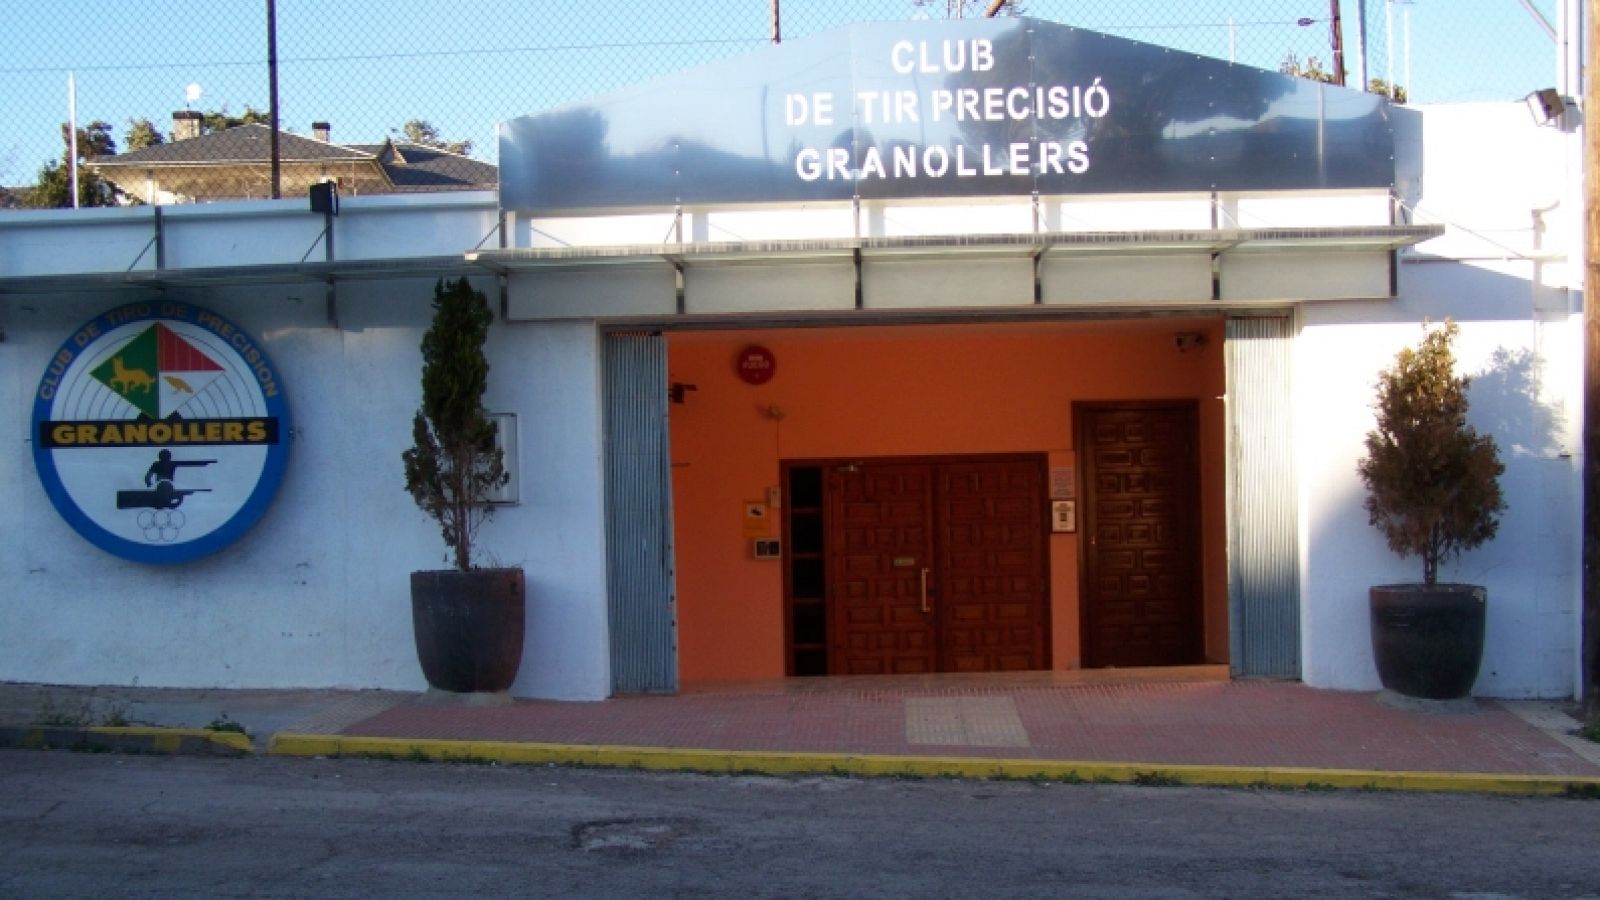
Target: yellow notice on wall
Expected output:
[757,519]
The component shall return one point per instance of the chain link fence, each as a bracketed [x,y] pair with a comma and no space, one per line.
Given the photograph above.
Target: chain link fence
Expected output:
[410,91]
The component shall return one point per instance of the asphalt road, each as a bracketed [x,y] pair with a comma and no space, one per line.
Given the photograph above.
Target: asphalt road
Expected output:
[85,825]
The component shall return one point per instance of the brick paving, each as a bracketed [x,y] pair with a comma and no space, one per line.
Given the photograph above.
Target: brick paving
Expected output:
[1207,722]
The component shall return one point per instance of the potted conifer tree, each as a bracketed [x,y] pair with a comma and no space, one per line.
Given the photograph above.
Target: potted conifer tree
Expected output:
[1433,490]
[468,620]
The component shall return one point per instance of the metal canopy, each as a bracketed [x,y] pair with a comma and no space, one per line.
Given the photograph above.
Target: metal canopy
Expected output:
[1039,246]
[269,273]
[1036,245]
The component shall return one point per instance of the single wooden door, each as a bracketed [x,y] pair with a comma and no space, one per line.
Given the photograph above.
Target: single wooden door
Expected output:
[1141,591]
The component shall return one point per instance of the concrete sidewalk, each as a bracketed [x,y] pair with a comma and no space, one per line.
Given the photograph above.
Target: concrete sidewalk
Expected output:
[1180,725]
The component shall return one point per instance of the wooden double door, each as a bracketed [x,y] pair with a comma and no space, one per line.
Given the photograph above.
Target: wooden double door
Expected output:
[937,565]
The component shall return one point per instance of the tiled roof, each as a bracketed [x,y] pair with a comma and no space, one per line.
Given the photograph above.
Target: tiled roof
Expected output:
[408,166]
[414,167]
[241,144]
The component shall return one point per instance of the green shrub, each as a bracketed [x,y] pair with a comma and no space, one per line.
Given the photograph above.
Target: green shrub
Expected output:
[1433,485]
[453,464]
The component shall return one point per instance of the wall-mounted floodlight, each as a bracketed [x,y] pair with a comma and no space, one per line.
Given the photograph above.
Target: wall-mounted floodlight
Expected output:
[1547,105]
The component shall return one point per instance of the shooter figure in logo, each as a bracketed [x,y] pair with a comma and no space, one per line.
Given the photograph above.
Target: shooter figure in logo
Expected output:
[165,495]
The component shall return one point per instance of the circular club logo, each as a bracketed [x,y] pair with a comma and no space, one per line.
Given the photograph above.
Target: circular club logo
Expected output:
[160,432]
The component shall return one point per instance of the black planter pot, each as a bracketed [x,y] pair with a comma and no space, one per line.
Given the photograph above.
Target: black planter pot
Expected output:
[468,627]
[1428,641]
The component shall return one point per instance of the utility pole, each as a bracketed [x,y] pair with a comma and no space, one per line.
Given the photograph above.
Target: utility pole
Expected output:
[1591,366]
[1336,36]
[72,138]
[1363,78]
[272,93]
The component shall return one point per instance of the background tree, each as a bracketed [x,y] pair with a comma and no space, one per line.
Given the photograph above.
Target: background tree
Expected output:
[421,131]
[141,133]
[1379,86]
[53,189]
[222,120]
[94,140]
[1312,69]
[971,9]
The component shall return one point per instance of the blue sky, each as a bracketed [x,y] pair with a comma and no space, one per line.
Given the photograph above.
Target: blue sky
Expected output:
[465,65]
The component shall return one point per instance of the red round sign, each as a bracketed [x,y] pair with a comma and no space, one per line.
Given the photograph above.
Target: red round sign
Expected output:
[756,364]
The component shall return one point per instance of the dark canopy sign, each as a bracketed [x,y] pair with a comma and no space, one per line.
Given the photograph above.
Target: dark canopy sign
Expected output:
[957,108]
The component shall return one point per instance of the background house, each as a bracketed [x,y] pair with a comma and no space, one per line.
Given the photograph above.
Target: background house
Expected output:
[235,163]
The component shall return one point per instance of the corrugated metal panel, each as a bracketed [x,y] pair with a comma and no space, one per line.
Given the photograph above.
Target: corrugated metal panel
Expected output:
[639,565]
[1263,526]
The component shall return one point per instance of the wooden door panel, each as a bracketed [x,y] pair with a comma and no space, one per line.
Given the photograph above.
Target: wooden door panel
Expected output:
[992,591]
[879,538]
[1142,592]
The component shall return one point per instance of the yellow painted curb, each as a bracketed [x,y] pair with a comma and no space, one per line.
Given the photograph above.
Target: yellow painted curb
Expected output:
[169,740]
[789,763]
[129,739]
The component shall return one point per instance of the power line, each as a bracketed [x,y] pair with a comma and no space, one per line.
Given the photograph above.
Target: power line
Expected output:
[1264,23]
[369,57]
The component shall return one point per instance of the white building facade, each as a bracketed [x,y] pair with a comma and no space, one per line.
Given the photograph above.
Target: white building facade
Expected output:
[950,326]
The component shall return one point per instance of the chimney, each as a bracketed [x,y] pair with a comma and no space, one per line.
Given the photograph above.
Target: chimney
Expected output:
[320,130]
[186,124]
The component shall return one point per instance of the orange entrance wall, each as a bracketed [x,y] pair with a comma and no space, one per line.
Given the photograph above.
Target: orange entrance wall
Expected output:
[904,391]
